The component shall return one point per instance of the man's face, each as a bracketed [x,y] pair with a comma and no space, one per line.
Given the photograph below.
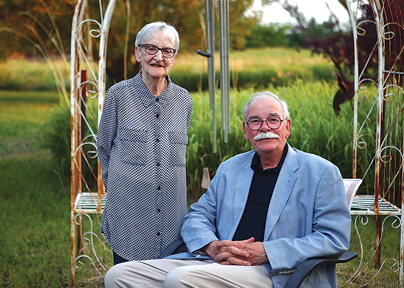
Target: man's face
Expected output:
[263,108]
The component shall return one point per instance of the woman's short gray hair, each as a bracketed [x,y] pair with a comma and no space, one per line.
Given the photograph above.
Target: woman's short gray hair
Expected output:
[260,95]
[148,31]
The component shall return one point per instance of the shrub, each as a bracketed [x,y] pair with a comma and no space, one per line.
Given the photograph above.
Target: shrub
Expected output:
[56,137]
[270,35]
[56,133]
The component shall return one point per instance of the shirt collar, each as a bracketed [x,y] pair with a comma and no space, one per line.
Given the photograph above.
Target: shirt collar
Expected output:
[256,163]
[147,97]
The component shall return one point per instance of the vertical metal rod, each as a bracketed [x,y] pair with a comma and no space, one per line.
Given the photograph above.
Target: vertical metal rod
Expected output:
[80,156]
[227,71]
[80,233]
[81,129]
[224,64]
[210,48]
[401,270]
[379,121]
[356,87]
[103,56]
[74,62]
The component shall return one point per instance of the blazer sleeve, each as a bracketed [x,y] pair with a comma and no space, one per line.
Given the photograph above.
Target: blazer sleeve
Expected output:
[199,225]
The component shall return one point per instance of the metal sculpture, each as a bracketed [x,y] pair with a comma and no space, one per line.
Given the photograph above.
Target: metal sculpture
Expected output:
[384,172]
[87,192]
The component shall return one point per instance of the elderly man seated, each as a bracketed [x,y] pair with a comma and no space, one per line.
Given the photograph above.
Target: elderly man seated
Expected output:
[265,212]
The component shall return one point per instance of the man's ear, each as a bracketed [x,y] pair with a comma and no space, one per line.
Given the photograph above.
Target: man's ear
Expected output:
[245,131]
[288,125]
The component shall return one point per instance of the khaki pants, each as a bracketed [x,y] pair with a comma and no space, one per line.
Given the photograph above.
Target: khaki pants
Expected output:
[174,273]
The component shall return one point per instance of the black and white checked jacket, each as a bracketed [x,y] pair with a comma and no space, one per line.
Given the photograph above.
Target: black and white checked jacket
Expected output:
[141,146]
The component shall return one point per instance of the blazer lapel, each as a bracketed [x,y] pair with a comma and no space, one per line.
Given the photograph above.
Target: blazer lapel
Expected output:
[283,189]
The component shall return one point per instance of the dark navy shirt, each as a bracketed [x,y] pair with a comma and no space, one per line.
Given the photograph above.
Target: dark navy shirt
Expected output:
[252,223]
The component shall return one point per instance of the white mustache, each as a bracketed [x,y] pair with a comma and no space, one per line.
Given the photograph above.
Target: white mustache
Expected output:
[267,135]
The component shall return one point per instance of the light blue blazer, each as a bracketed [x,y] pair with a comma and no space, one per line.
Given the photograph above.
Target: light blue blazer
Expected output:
[308,215]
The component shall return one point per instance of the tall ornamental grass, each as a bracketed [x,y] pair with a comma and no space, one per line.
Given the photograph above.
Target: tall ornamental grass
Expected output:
[315,129]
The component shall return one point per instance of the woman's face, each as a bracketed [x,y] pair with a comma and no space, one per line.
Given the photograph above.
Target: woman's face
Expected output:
[155,66]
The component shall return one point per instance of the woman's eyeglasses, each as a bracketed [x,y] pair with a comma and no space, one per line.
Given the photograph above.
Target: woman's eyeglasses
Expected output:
[153,49]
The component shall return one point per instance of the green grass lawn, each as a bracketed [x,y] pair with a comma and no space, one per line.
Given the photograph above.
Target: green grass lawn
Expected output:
[35,209]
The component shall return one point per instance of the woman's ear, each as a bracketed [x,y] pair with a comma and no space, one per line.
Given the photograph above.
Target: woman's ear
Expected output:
[137,54]
[173,60]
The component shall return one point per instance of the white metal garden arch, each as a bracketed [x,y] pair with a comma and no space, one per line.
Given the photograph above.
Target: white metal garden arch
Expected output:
[88,85]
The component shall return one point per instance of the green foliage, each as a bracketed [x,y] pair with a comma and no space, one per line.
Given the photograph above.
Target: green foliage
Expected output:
[55,134]
[200,148]
[254,68]
[22,126]
[56,137]
[29,75]
[271,35]
[299,35]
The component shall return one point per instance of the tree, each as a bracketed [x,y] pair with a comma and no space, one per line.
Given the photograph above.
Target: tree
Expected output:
[39,24]
[338,45]
[188,18]
[271,35]
[36,25]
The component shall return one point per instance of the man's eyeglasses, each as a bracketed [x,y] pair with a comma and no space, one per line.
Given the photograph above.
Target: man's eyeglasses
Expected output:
[153,49]
[273,123]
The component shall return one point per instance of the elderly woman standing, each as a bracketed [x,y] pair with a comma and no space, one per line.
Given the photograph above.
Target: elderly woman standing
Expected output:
[141,144]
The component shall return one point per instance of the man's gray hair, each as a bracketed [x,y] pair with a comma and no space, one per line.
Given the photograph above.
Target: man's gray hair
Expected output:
[263,94]
[148,31]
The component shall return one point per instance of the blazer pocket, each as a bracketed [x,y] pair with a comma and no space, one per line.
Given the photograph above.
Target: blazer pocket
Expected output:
[178,148]
[132,146]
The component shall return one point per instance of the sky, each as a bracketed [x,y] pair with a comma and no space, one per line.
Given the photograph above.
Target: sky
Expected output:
[274,13]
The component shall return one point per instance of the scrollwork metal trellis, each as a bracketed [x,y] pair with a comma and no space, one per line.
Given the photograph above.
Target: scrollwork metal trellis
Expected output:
[382,196]
[87,189]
